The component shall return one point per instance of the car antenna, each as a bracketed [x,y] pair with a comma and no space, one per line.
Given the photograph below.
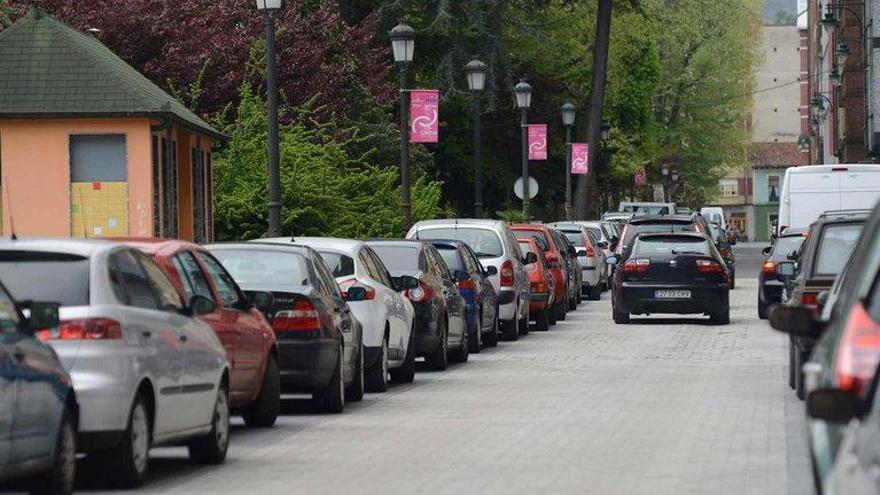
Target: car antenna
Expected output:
[12,234]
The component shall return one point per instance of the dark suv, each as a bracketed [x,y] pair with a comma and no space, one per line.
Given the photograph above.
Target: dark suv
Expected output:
[653,224]
[770,284]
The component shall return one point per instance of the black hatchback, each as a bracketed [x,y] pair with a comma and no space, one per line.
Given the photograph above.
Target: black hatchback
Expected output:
[672,273]
[770,284]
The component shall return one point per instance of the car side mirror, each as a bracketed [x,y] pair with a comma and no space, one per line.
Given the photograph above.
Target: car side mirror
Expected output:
[833,405]
[723,245]
[262,300]
[201,305]
[355,294]
[795,320]
[461,275]
[491,270]
[582,252]
[785,269]
[602,244]
[611,260]
[767,251]
[530,258]
[405,282]
[40,315]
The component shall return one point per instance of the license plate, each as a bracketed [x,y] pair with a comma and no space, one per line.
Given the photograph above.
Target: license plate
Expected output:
[672,294]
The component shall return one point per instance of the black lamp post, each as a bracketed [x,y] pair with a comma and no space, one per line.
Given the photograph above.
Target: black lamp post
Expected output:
[403,42]
[476,78]
[568,114]
[269,8]
[523,94]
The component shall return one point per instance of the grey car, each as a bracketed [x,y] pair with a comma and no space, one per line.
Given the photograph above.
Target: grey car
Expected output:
[145,372]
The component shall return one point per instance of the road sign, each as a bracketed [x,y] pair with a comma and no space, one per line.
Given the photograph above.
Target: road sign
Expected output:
[641,177]
[533,188]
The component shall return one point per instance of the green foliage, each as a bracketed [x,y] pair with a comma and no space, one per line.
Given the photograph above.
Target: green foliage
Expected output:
[512,216]
[326,191]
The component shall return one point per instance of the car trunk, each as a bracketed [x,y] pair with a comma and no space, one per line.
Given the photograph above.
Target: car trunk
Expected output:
[676,269]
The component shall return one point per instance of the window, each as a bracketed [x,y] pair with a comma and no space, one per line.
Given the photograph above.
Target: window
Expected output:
[227,290]
[98,158]
[138,291]
[326,279]
[436,264]
[169,177]
[169,298]
[259,267]
[191,275]
[339,264]
[9,319]
[835,247]
[773,188]
[728,188]
[399,259]
[484,242]
[670,245]
[383,272]
[199,195]
[157,185]
[451,258]
[46,276]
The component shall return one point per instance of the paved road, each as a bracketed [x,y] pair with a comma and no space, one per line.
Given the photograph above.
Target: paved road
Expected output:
[658,406]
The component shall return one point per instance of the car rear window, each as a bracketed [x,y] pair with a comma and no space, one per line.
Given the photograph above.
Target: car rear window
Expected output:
[786,246]
[526,247]
[451,257]
[635,229]
[398,258]
[46,276]
[671,245]
[339,264]
[535,235]
[264,267]
[485,243]
[834,248]
[576,237]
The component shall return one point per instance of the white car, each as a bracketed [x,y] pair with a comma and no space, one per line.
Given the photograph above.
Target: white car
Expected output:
[385,314]
[145,371]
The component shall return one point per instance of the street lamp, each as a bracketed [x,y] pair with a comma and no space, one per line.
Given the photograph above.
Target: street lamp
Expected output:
[834,74]
[476,78]
[830,20]
[842,52]
[605,131]
[523,94]
[568,114]
[269,8]
[403,42]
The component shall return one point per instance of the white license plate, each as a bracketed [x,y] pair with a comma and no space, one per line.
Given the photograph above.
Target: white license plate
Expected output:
[672,294]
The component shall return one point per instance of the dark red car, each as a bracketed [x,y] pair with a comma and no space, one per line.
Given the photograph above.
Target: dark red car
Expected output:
[255,385]
[555,261]
[542,284]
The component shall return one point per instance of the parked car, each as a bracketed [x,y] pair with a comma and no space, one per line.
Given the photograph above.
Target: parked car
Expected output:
[573,268]
[715,214]
[38,406]
[441,330]
[770,284]
[495,246]
[476,289]
[724,247]
[556,260]
[146,372]
[386,316]
[652,224]
[680,273]
[825,252]
[542,285]
[320,343]
[595,272]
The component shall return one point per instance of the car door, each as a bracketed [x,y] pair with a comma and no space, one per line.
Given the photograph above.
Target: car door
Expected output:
[159,343]
[397,317]
[341,312]
[455,306]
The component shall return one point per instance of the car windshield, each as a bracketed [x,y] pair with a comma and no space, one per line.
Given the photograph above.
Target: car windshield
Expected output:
[835,247]
[451,257]
[671,245]
[264,267]
[398,259]
[635,229]
[646,210]
[485,243]
[339,264]
[45,276]
[535,235]
[786,246]
[575,237]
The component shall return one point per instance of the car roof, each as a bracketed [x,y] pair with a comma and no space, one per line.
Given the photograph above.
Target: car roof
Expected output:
[265,246]
[446,242]
[416,243]
[153,245]
[662,219]
[792,232]
[646,235]
[467,222]
[81,247]
[335,243]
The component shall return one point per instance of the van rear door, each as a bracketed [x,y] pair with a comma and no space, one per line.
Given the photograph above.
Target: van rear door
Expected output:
[859,187]
[811,193]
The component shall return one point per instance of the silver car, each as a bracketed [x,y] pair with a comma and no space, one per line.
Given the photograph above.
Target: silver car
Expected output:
[594,270]
[498,250]
[145,372]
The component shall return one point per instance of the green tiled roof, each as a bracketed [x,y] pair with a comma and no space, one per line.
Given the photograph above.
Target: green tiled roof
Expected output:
[49,69]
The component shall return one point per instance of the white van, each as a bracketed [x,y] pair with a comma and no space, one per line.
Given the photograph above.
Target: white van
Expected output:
[809,191]
[714,214]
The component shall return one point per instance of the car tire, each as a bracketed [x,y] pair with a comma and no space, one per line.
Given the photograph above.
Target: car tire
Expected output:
[524,323]
[211,448]
[511,328]
[475,339]
[791,366]
[460,354]
[438,360]
[354,392]
[574,301]
[376,376]
[331,398]
[406,373]
[542,320]
[596,293]
[620,317]
[491,338]
[763,310]
[799,358]
[129,461]
[61,477]
[720,318]
[264,410]
[561,309]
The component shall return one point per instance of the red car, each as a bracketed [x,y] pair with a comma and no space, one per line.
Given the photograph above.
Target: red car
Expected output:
[255,384]
[542,283]
[555,261]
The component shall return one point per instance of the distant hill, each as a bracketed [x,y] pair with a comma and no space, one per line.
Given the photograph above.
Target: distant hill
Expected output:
[780,12]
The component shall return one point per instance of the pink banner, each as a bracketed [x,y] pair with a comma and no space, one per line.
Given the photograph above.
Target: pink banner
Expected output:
[424,112]
[640,179]
[580,156]
[537,142]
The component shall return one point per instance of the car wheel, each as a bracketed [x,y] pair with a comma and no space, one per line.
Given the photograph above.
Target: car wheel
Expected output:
[331,398]
[511,328]
[439,360]
[475,339]
[799,358]
[355,391]
[211,448]
[596,293]
[620,317]
[60,478]
[524,323]
[561,309]
[492,337]
[460,355]
[263,411]
[762,310]
[791,367]
[129,461]
[542,320]
[573,301]
[720,318]
[407,371]
[377,375]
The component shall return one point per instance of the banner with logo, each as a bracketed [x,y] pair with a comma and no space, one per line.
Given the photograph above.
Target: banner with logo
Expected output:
[640,178]
[424,113]
[580,157]
[537,142]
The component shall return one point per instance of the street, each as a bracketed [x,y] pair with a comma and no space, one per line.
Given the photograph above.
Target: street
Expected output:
[659,406]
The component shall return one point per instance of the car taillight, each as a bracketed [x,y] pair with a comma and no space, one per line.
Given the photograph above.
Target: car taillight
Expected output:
[419,294]
[810,300]
[347,284]
[507,274]
[590,251]
[304,317]
[858,352]
[84,329]
[709,266]
[768,268]
[468,284]
[637,266]
[726,253]
[539,286]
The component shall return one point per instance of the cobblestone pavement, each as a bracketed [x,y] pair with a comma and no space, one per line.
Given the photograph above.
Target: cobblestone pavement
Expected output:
[659,406]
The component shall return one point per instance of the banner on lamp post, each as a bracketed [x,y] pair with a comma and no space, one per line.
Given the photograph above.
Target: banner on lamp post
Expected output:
[424,113]
[640,178]
[580,157]
[537,142]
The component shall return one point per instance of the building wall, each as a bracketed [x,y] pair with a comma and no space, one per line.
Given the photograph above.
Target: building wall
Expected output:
[35,173]
[776,113]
